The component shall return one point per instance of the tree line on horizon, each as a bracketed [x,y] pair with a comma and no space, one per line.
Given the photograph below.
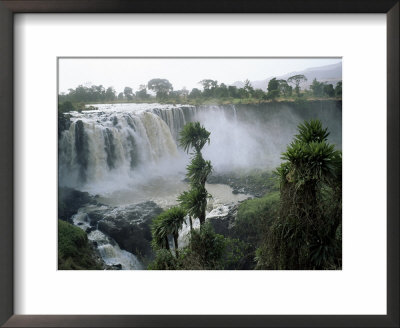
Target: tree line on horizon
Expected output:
[164,92]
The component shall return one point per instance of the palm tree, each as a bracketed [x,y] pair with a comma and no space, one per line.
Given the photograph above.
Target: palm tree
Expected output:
[159,233]
[303,237]
[168,223]
[193,135]
[198,170]
[194,201]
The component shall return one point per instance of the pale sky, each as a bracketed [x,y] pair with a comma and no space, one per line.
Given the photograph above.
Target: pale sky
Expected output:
[182,72]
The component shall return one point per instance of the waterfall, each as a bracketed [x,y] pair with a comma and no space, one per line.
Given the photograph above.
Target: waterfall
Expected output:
[99,143]
[122,144]
[112,254]
[108,248]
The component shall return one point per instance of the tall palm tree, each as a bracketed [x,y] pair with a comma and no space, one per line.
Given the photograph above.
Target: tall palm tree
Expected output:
[194,201]
[304,235]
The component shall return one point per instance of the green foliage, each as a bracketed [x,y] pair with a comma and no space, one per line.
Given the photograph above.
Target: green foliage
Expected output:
[206,251]
[206,247]
[142,93]
[311,131]
[317,88]
[304,235]
[194,201]
[213,92]
[248,87]
[296,80]
[329,90]
[193,135]
[259,94]
[320,89]
[236,255]
[285,88]
[338,89]
[74,251]
[162,87]
[233,91]
[167,223]
[159,232]
[94,93]
[254,217]
[128,93]
[198,170]
[272,95]
[273,84]
[164,260]
[253,221]
[195,93]
[64,107]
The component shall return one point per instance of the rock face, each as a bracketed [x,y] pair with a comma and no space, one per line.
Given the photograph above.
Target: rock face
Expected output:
[129,225]
[223,219]
[69,202]
[64,122]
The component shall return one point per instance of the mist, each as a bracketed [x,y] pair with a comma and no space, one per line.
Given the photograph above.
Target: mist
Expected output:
[134,146]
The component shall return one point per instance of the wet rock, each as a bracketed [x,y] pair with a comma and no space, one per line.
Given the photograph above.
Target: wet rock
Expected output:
[89,230]
[223,219]
[117,266]
[64,122]
[69,202]
[129,225]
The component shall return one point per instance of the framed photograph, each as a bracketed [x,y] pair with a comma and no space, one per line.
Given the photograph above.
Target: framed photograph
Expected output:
[211,164]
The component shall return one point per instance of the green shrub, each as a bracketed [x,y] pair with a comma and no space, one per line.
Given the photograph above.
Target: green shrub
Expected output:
[207,250]
[252,223]
[164,261]
[254,218]
[305,233]
[66,106]
[74,251]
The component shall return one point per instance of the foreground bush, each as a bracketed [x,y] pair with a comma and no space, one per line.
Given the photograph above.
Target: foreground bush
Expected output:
[307,232]
[74,251]
[253,221]
[207,250]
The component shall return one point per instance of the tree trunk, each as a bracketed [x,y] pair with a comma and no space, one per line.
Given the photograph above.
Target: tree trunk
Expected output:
[202,218]
[191,223]
[176,244]
[166,243]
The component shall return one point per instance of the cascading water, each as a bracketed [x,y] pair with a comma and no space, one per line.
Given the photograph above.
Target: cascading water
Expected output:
[109,143]
[108,248]
[128,154]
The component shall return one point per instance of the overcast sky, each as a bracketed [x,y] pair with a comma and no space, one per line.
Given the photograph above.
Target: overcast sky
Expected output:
[122,72]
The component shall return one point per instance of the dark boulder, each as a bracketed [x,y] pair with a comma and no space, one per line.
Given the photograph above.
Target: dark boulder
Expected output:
[223,219]
[69,202]
[129,225]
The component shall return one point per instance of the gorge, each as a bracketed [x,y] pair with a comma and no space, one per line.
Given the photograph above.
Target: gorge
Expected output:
[126,158]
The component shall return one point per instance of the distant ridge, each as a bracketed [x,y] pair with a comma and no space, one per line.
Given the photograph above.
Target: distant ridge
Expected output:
[328,73]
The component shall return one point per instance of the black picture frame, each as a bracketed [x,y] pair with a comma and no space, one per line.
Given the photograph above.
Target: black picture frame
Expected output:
[10,7]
